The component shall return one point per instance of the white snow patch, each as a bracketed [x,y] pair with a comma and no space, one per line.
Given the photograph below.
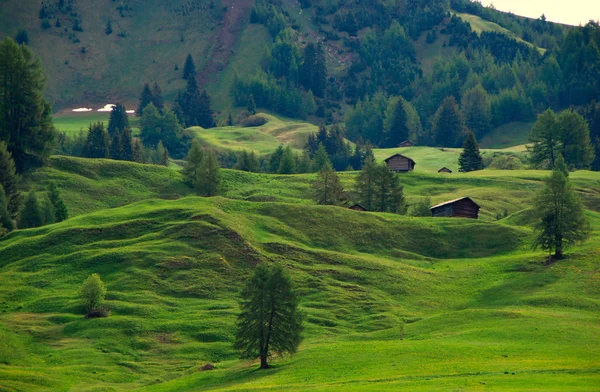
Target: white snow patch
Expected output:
[130,111]
[107,108]
[82,110]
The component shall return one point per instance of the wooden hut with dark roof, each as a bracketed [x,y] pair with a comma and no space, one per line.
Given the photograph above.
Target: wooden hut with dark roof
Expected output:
[444,170]
[400,163]
[406,143]
[458,208]
[358,207]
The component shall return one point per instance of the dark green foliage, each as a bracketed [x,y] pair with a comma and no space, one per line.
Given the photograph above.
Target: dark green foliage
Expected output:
[321,158]
[251,105]
[93,292]
[193,163]
[396,128]
[116,146]
[6,222]
[60,209]
[25,116]
[592,115]
[421,207]
[470,159]
[247,161]
[22,38]
[448,124]
[477,110]
[269,321]
[189,69]
[275,159]
[48,211]
[162,154]
[118,120]
[31,213]
[230,119]
[313,72]
[146,98]
[157,97]
[562,221]
[108,29]
[137,152]
[208,180]
[566,134]
[287,164]
[165,128]
[195,106]
[378,189]
[327,188]
[9,180]
[97,144]
[127,145]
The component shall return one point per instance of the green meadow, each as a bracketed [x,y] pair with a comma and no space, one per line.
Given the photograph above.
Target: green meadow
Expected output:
[391,302]
[73,122]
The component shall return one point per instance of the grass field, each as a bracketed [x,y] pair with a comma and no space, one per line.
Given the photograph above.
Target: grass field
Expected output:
[72,122]
[507,135]
[391,302]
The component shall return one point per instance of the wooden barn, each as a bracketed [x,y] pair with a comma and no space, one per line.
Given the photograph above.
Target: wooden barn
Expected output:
[400,163]
[459,208]
[358,207]
[444,170]
[406,143]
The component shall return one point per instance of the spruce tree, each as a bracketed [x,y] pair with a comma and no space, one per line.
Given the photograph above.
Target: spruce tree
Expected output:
[275,159]
[145,99]
[162,154]
[127,145]
[269,320]
[48,211]
[6,221]
[150,125]
[562,221]
[229,120]
[97,144]
[388,194]
[287,164]
[25,116]
[189,69]
[9,180]
[209,177]
[118,120]
[448,125]
[193,163]
[327,188]
[205,115]
[157,97]
[61,212]
[31,214]
[251,105]
[477,109]
[116,147]
[396,126]
[364,185]
[544,141]
[137,152]
[470,159]
[321,158]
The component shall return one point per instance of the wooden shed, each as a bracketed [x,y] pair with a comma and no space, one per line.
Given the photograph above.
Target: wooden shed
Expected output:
[459,208]
[358,207]
[444,170]
[400,163]
[406,143]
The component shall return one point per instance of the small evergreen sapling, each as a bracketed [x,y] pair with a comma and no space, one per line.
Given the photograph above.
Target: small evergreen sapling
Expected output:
[470,159]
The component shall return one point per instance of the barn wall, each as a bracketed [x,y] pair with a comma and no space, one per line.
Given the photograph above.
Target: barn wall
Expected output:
[399,164]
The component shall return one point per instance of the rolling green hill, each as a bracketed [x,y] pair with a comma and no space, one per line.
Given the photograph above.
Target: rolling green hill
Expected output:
[390,301]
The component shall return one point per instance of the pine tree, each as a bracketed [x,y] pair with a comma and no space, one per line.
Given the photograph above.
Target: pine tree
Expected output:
[269,320]
[193,163]
[150,125]
[275,159]
[189,69]
[61,212]
[26,117]
[287,164]
[448,125]
[304,163]
[327,188]
[162,154]
[116,147]
[157,97]
[229,120]
[31,214]
[137,152]
[562,221]
[205,114]
[127,145]
[396,124]
[544,140]
[470,159]
[9,180]
[209,176]
[477,110]
[388,194]
[576,147]
[251,105]
[108,29]
[6,221]
[118,120]
[97,144]
[364,185]
[321,158]
[145,99]
[48,211]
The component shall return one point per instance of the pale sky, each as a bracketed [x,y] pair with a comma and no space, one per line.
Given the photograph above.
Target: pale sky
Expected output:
[571,12]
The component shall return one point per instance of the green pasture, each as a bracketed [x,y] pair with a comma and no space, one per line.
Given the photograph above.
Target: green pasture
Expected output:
[73,122]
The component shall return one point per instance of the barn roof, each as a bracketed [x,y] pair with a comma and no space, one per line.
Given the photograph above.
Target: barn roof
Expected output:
[454,201]
[444,168]
[357,205]
[401,156]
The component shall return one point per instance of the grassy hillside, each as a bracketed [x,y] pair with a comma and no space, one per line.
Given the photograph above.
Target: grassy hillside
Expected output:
[390,301]
[508,135]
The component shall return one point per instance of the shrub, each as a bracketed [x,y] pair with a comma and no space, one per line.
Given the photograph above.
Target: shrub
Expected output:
[506,162]
[421,207]
[254,121]
[93,292]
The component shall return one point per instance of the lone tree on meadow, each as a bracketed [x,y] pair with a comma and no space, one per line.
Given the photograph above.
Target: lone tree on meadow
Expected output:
[470,159]
[208,178]
[562,221]
[93,292]
[193,162]
[60,209]
[269,320]
[328,189]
